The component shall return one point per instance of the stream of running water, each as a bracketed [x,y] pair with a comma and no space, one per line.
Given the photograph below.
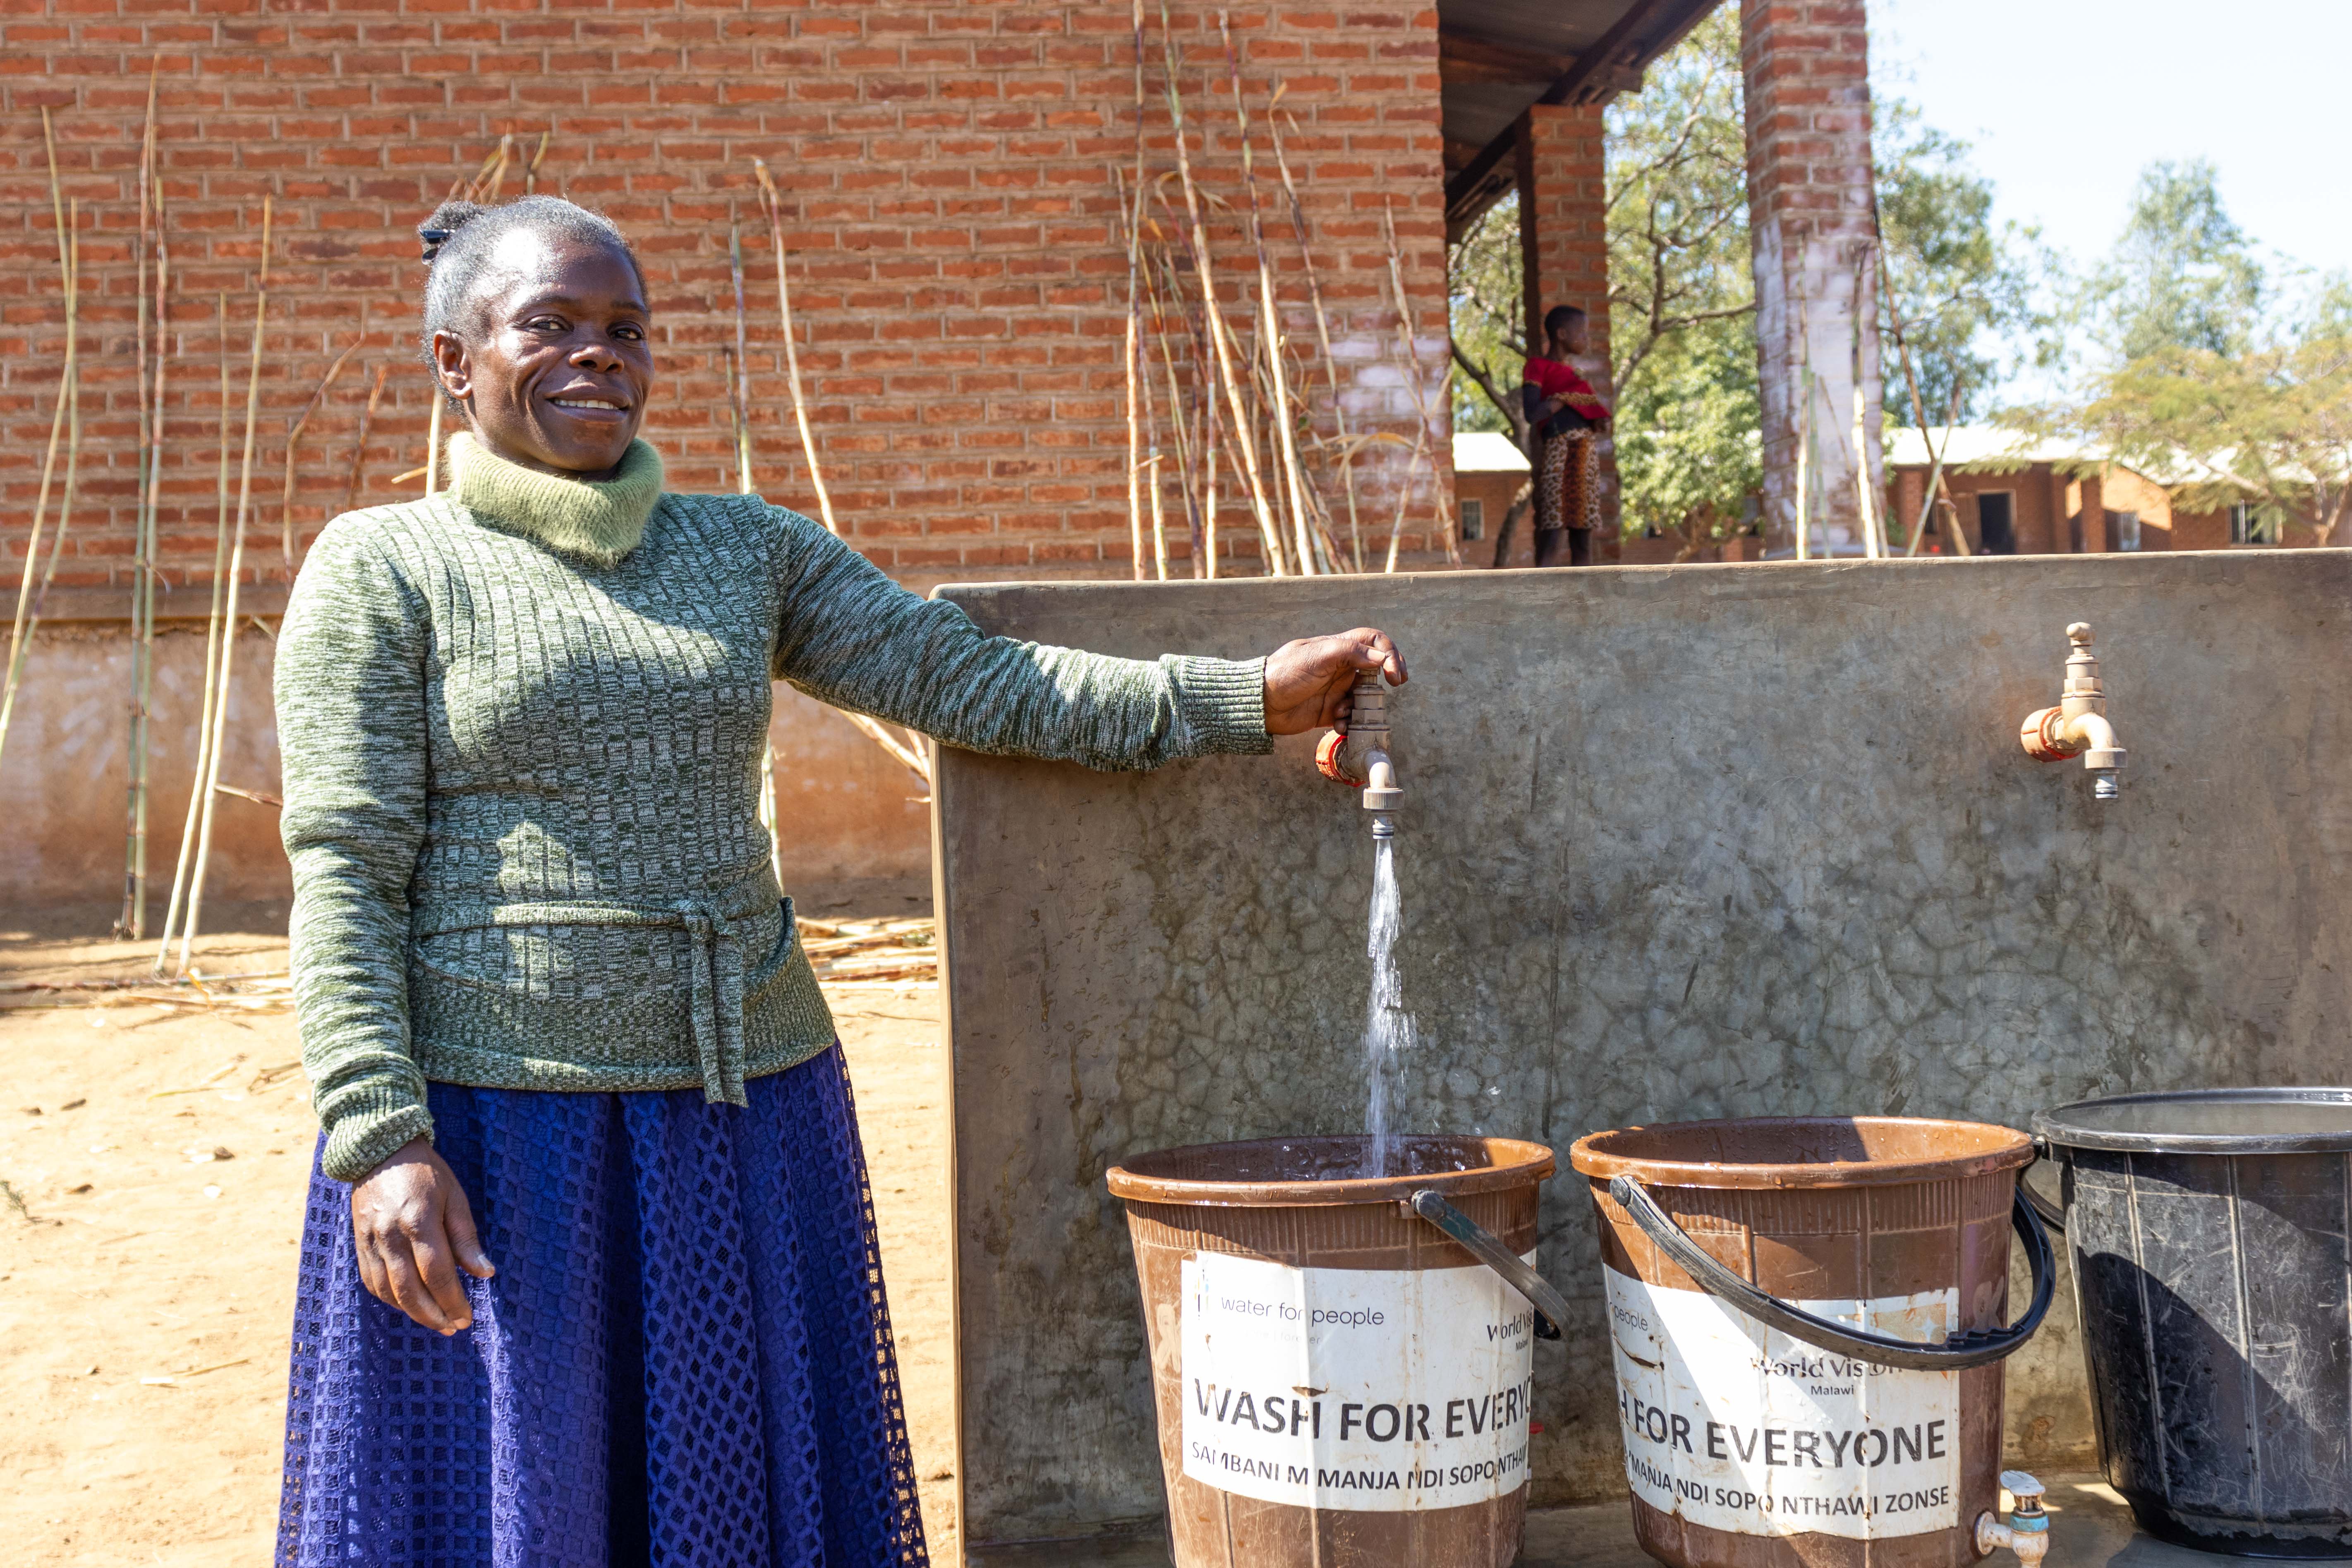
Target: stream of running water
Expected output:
[1389,1029]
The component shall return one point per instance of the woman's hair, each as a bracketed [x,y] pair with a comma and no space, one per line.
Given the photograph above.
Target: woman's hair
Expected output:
[460,236]
[1559,318]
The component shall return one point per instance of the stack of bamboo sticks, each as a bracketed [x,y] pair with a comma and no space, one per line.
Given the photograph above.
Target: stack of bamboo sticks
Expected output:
[1243,408]
[185,913]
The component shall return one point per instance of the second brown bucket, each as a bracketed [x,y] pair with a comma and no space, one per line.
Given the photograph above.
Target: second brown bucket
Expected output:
[1806,1317]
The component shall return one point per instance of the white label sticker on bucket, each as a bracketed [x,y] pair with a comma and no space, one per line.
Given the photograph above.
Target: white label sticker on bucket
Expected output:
[1739,1427]
[1372,1390]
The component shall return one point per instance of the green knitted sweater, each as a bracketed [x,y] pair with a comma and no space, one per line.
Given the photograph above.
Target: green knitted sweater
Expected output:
[522,724]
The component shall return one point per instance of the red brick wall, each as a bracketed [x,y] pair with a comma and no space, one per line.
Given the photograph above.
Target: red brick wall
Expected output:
[1563,181]
[958,277]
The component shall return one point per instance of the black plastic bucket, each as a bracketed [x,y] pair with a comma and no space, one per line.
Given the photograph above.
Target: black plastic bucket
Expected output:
[2211,1239]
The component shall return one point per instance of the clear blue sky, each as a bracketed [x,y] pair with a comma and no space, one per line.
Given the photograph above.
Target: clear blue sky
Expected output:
[2065,100]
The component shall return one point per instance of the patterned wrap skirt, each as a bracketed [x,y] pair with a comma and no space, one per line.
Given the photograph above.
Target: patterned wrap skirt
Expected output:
[1566,492]
[685,1357]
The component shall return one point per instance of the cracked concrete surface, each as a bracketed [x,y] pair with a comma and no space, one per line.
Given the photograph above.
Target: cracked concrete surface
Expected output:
[1677,843]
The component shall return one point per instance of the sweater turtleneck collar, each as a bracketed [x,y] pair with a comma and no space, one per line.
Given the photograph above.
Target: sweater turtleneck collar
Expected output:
[598,520]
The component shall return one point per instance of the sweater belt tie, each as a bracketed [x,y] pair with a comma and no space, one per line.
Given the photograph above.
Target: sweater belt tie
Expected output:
[718,965]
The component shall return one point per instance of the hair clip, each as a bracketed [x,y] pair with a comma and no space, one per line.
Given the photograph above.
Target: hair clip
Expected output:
[434,239]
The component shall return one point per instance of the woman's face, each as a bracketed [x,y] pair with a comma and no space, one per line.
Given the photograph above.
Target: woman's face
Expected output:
[555,370]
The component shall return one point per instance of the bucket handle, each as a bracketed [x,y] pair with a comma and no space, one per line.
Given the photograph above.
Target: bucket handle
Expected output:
[1977,1347]
[2051,1214]
[1552,1307]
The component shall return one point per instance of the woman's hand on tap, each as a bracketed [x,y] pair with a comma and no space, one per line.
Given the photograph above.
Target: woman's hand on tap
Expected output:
[1310,683]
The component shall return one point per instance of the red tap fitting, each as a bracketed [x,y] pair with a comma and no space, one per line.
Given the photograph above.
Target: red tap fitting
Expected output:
[1329,753]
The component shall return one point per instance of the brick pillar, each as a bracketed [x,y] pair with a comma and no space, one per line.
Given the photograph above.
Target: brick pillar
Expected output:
[1564,247]
[2086,519]
[1814,237]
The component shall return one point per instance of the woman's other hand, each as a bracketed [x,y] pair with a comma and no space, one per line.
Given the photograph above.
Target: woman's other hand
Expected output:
[414,1230]
[1310,682]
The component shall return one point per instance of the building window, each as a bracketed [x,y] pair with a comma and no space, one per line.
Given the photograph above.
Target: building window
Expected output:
[1474,519]
[2249,526]
[1996,522]
[2122,531]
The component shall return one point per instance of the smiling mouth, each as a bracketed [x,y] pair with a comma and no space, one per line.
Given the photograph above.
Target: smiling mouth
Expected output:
[602,404]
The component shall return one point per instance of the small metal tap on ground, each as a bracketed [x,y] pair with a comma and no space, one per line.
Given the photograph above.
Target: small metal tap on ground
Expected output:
[2026,1532]
[2077,726]
[1357,754]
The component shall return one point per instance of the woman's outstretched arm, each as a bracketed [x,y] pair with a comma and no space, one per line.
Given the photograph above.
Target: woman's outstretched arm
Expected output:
[850,636]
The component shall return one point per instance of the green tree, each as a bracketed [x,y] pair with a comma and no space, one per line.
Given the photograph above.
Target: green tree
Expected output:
[2207,379]
[2183,275]
[1954,284]
[2269,427]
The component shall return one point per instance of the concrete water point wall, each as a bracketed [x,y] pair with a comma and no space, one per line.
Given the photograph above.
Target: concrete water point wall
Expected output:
[1677,843]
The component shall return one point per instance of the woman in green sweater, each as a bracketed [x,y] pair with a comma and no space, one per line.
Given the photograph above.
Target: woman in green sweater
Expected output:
[589,1275]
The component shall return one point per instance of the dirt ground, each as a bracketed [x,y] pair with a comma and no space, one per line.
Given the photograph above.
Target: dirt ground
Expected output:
[154,1160]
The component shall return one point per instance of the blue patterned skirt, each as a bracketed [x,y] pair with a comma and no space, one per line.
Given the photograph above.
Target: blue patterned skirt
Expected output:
[685,1357]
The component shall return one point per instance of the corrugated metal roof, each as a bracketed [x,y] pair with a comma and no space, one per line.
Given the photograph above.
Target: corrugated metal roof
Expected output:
[1499,57]
[1477,112]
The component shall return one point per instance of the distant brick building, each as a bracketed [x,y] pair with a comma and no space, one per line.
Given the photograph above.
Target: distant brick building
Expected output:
[2016,497]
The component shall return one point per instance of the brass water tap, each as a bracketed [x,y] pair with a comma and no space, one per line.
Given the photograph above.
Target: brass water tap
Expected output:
[1357,753]
[2078,726]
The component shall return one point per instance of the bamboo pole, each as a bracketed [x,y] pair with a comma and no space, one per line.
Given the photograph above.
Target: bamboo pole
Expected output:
[1205,427]
[1805,423]
[1269,535]
[73,419]
[774,204]
[1185,476]
[1409,339]
[1131,352]
[433,438]
[1132,362]
[69,405]
[235,573]
[151,578]
[133,921]
[196,791]
[1874,542]
[17,634]
[738,388]
[28,616]
[1269,332]
[1151,463]
[294,436]
[1936,480]
[1323,336]
[359,447]
[1805,469]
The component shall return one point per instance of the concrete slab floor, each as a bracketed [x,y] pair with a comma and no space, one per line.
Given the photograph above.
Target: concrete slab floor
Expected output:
[2090,1528]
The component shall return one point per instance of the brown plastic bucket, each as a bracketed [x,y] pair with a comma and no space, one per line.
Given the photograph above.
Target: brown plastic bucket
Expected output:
[1339,1385]
[1806,1318]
